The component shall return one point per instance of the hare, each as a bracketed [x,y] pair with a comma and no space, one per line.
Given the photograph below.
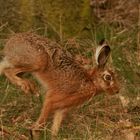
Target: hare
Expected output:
[67,83]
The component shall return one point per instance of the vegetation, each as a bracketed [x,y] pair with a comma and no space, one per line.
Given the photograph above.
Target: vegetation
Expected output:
[78,25]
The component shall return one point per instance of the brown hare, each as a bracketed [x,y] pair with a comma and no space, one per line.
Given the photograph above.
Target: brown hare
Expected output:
[67,83]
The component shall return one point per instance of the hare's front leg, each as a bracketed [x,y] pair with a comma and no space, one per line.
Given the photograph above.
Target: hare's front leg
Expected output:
[26,85]
[48,108]
[40,123]
[57,120]
[59,103]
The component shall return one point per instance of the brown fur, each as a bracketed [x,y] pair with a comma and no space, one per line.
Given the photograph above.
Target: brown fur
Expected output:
[67,83]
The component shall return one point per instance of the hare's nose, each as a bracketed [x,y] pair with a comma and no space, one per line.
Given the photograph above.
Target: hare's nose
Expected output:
[117,91]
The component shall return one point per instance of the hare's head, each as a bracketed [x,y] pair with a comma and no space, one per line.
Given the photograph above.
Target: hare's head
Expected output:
[104,78]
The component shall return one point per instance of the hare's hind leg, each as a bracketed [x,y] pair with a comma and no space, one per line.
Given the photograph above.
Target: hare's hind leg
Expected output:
[4,64]
[26,85]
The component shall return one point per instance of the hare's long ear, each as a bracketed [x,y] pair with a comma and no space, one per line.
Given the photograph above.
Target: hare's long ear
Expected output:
[102,54]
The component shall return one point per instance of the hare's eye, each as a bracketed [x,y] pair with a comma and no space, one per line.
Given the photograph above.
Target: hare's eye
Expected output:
[107,77]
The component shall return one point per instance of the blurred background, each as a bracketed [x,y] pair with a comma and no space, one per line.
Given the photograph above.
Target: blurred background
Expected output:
[78,25]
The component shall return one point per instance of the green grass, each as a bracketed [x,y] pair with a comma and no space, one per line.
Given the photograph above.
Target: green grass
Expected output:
[95,120]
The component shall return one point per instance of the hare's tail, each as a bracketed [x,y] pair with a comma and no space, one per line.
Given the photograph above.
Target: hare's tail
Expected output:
[4,64]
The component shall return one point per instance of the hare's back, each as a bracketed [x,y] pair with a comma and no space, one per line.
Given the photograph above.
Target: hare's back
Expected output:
[23,49]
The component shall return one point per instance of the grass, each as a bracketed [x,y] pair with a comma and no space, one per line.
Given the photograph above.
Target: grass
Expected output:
[103,117]
[98,119]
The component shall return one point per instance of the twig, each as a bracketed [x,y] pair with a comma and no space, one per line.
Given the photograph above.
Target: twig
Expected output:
[131,127]
[138,36]
[3,25]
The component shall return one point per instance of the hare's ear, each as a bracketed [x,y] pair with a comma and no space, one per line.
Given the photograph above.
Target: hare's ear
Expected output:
[102,54]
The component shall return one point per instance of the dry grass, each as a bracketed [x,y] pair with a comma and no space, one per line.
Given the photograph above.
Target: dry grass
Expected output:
[103,117]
